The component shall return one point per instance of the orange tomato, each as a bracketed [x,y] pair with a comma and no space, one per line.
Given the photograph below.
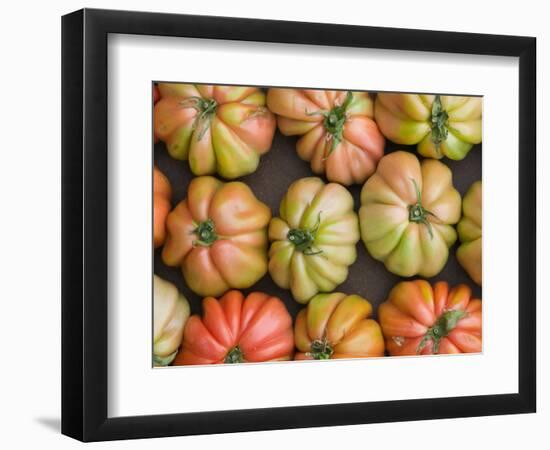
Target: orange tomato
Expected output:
[236,329]
[337,326]
[420,319]
[218,235]
[338,135]
[218,129]
[162,195]
[156,94]
[156,97]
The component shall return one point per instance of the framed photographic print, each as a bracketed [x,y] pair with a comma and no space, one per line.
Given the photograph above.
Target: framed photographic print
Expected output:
[274,224]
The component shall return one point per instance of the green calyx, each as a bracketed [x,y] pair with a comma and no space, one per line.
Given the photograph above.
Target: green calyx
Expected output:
[320,349]
[439,123]
[206,233]
[440,329]
[417,213]
[235,356]
[335,120]
[206,108]
[303,239]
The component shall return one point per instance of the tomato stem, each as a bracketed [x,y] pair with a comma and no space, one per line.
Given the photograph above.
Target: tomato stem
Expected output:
[440,329]
[234,356]
[206,233]
[205,108]
[417,213]
[320,349]
[303,239]
[334,121]
[439,123]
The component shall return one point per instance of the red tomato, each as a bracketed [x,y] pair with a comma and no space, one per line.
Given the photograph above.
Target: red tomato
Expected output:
[420,319]
[236,329]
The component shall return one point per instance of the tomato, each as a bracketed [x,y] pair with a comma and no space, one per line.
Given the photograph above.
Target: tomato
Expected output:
[420,319]
[219,129]
[156,97]
[170,313]
[469,233]
[236,329]
[407,212]
[338,134]
[441,125]
[337,326]
[218,235]
[156,94]
[162,196]
[313,240]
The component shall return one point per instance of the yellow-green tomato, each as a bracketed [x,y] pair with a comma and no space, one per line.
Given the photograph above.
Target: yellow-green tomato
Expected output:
[469,233]
[170,313]
[407,212]
[441,125]
[313,239]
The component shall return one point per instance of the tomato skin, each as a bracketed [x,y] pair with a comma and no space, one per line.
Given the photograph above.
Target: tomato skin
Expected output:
[237,329]
[156,98]
[414,308]
[409,119]
[156,94]
[218,129]
[325,211]
[162,196]
[335,326]
[408,244]
[469,253]
[233,250]
[170,313]
[348,159]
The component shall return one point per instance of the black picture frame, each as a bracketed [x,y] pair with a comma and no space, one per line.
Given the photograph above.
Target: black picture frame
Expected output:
[84,224]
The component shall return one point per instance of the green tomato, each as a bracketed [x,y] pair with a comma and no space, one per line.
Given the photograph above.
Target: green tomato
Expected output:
[313,239]
[407,212]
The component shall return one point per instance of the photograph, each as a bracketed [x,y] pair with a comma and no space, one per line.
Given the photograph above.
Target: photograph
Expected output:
[294,224]
[275,225]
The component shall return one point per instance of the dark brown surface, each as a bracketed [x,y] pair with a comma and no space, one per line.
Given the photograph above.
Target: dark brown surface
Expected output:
[277,170]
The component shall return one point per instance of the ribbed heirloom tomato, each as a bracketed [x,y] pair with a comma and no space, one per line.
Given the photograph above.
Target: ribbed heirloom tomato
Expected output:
[313,240]
[156,98]
[407,212]
[218,235]
[441,125]
[469,233]
[219,129]
[236,329]
[162,196]
[420,319]
[156,94]
[338,134]
[336,326]
[170,313]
